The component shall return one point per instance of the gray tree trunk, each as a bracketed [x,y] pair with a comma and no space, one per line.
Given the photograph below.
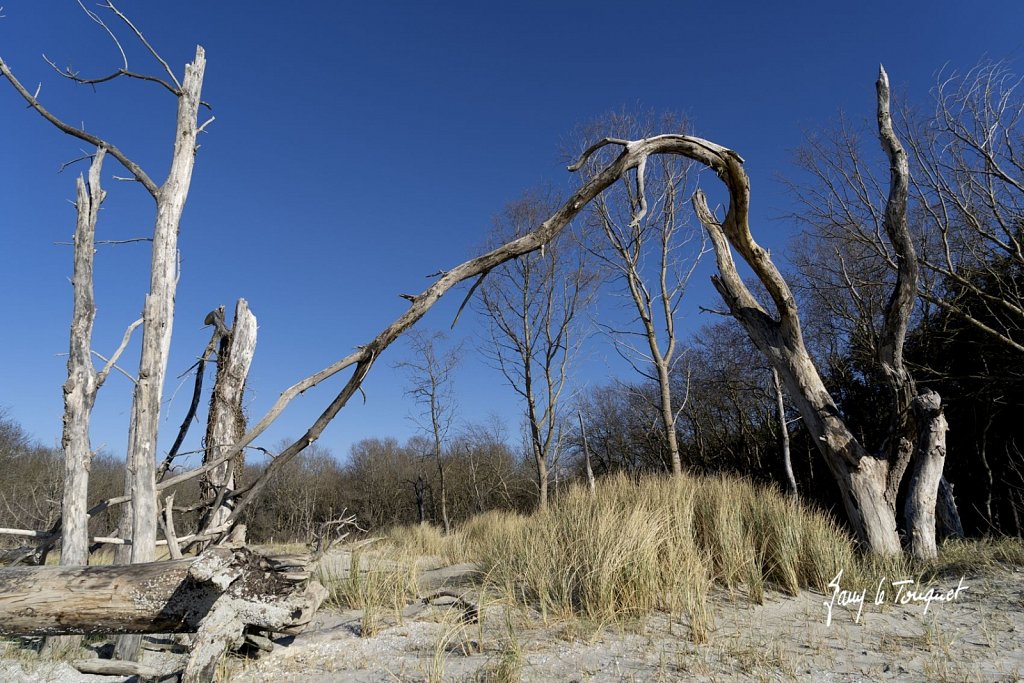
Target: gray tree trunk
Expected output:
[780,416]
[80,388]
[226,421]
[139,521]
[929,460]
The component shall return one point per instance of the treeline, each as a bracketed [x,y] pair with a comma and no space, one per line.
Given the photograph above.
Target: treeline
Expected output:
[382,483]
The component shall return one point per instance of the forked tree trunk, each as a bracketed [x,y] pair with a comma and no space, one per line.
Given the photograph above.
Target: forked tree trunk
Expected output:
[139,521]
[868,482]
[226,422]
[80,387]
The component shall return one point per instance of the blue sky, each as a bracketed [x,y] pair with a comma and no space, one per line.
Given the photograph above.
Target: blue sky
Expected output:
[359,147]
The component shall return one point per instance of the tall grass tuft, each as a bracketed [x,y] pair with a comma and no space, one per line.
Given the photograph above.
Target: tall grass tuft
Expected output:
[374,582]
[418,539]
[657,544]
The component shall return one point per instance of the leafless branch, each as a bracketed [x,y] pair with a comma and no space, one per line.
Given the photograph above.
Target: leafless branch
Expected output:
[112,363]
[33,102]
[115,366]
[142,39]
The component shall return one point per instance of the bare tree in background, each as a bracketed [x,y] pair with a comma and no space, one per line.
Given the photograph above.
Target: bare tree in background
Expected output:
[531,306]
[431,386]
[966,214]
[652,251]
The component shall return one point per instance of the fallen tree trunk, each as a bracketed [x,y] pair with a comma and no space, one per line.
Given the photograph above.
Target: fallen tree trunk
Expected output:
[158,597]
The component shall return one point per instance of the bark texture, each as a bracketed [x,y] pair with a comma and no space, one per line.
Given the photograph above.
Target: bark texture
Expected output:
[81,385]
[929,461]
[226,422]
[217,594]
[139,521]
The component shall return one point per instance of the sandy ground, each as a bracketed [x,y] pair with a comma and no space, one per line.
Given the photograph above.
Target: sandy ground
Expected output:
[979,636]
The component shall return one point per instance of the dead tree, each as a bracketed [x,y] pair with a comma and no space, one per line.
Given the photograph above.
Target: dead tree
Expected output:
[83,381]
[226,421]
[869,482]
[139,520]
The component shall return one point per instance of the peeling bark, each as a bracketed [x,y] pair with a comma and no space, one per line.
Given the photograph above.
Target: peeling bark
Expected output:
[226,422]
[929,459]
[217,594]
[139,520]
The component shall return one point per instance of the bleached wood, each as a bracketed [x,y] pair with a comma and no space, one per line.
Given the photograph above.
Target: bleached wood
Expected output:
[113,667]
[155,597]
[226,421]
[82,381]
[139,520]
[929,461]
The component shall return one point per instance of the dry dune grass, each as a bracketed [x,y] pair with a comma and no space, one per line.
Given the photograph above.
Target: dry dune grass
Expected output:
[596,576]
[654,545]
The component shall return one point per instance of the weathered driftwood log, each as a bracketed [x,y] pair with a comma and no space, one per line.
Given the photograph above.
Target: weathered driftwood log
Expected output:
[218,595]
[112,667]
[157,597]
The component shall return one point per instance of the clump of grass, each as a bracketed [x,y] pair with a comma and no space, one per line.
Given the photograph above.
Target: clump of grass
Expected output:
[472,538]
[959,556]
[418,539]
[507,666]
[658,544]
[374,582]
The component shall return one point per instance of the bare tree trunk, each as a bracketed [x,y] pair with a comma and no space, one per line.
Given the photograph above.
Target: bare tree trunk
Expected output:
[226,422]
[444,497]
[668,418]
[537,441]
[80,387]
[929,459]
[586,454]
[780,415]
[419,488]
[139,521]
[946,513]
[541,465]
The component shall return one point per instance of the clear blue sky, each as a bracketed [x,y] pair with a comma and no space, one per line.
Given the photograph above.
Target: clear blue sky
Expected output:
[359,147]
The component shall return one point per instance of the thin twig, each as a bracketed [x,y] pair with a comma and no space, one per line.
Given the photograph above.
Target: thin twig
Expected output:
[115,366]
[102,376]
[142,39]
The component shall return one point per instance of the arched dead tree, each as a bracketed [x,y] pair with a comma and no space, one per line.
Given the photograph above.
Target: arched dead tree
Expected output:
[869,482]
